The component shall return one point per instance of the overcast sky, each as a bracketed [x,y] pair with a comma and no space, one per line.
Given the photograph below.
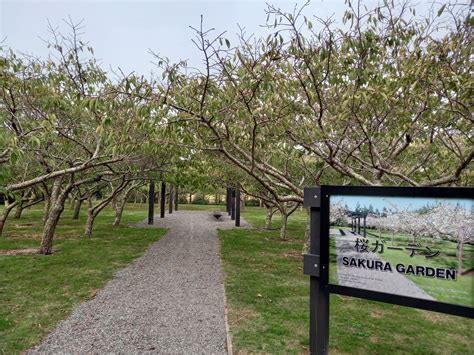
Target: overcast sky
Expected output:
[402,203]
[123,32]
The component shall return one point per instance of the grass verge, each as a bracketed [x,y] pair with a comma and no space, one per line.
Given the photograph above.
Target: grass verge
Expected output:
[268,300]
[37,291]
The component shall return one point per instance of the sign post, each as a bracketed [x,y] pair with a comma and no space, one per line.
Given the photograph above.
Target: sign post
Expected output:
[162,199]
[314,266]
[170,203]
[151,202]
[237,207]
[405,251]
[232,204]
[176,197]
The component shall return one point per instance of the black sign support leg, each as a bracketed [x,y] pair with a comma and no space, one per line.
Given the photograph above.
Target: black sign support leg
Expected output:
[176,197]
[237,208]
[319,295]
[163,200]
[232,204]
[228,201]
[151,202]
[319,318]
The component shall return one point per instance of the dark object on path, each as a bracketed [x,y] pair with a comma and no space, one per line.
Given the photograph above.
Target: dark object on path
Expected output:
[342,232]
[217,214]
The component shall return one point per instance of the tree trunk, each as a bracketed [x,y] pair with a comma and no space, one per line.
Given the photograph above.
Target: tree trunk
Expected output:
[268,218]
[19,210]
[89,223]
[49,228]
[284,223]
[47,203]
[93,211]
[56,199]
[90,218]
[460,256]
[4,216]
[77,209]
[118,212]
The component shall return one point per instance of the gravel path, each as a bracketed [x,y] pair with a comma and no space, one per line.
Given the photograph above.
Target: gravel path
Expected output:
[375,280]
[170,300]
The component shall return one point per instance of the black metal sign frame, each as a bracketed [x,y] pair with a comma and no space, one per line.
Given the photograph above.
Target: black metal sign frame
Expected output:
[316,263]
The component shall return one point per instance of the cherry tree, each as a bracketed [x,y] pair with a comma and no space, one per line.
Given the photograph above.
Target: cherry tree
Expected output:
[454,222]
[337,212]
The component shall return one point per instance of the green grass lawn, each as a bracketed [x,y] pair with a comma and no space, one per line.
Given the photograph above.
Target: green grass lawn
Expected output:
[37,291]
[191,207]
[268,300]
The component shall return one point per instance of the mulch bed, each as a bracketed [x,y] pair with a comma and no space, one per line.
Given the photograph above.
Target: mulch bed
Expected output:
[288,240]
[27,251]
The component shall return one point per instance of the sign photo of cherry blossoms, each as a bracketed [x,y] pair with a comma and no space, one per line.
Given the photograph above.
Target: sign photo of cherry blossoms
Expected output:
[407,246]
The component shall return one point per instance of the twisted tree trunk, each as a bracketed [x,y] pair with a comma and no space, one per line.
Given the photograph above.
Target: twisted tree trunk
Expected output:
[268,218]
[119,203]
[285,213]
[47,203]
[57,199]
[89,222]
[6,211]
[119,207]
[19,210]
[77,208]
[284,224]
[93,211]
[50,226]
[22,205]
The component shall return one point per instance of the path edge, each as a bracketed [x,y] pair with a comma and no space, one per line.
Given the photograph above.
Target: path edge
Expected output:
[230,350]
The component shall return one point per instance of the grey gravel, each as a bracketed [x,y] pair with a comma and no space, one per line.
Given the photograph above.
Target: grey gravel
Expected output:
[169,300]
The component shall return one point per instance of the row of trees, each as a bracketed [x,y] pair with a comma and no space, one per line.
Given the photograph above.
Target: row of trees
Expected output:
[66,133]
[441,221]
[383,100]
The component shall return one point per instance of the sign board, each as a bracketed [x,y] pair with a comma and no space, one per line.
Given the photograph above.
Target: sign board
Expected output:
[402,245]
[420,247]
